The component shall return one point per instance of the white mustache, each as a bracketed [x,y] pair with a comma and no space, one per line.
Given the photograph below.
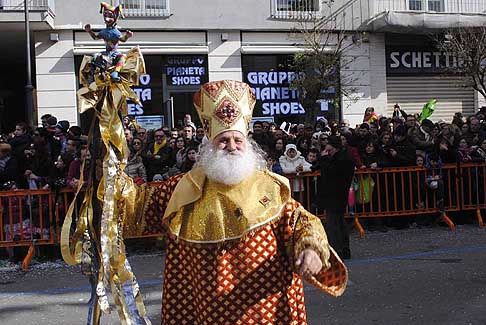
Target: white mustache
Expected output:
[234,153]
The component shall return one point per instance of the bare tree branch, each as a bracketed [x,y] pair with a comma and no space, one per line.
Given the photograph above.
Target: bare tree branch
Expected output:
[468,44]
[318,67]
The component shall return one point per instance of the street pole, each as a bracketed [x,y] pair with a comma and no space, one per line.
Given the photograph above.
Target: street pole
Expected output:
[29,99]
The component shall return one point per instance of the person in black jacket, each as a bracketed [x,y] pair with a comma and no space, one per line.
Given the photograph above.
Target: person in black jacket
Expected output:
[19,140]
[337,170]
[158,156]
[9,167]
[401,153]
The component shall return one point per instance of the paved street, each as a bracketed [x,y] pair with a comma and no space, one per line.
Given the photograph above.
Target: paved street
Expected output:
[413,276]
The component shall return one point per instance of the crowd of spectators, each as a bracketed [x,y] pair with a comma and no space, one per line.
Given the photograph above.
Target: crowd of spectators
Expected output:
[50,156]
[399,141]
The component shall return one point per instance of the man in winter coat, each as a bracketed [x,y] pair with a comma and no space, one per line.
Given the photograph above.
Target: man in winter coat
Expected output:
[401,153]
[420,136]
[158,157]
[337,170]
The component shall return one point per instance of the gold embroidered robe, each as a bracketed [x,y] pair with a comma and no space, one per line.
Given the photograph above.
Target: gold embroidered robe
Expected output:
[231,252]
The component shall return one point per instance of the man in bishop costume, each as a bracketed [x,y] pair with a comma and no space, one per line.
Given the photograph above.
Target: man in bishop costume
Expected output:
[238,245]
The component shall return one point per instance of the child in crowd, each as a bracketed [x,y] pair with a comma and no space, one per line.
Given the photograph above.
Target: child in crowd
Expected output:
[293,163]
[273,165]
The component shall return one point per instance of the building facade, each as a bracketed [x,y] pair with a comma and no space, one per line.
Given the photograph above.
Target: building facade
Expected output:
[393,58]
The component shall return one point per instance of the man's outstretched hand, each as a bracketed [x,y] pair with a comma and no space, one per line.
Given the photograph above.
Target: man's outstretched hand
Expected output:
[310,263]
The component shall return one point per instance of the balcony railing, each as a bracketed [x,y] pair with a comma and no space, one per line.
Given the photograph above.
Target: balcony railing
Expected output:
[295,9]
[34,5]
[145,8]
[431,6]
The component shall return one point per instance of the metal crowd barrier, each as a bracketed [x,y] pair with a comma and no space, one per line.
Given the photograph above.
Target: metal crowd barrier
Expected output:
[473,188]
[402,192]
[34,217]
[27,218]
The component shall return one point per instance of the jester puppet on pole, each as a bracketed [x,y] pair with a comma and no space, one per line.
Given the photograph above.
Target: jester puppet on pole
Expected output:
[112,36]
[108,207]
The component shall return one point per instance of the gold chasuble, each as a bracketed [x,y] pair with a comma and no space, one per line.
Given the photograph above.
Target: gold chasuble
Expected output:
[231,252]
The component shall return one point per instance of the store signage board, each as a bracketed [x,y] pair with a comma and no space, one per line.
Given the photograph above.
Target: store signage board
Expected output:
[150,122]
[272,89]
[186,70]
[144,94]
[408,61]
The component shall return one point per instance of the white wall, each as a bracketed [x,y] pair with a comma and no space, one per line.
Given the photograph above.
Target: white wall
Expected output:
[365,67]
[56,80]
[378,73]
[356,80]
[197,15]
[224,58]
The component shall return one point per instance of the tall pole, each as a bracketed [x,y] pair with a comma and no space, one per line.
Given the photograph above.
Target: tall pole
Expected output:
[29,99]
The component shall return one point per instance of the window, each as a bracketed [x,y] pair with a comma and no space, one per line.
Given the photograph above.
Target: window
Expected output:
[145,7]
[431,5]
[415,5]
[436,5]
[297,5]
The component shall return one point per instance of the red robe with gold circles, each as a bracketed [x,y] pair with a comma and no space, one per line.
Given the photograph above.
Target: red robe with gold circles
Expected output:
[225,266]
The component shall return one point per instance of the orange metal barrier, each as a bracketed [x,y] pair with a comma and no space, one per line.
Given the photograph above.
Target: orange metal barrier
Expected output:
[26,219]
[397,192]
[473,188]
[35,217]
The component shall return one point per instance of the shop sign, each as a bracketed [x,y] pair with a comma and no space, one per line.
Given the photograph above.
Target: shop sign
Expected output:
[150,122]
[186,70]
[144,94]
[413,61]
[273,92]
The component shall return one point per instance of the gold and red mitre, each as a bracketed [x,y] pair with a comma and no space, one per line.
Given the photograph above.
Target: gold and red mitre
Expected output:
[224,105]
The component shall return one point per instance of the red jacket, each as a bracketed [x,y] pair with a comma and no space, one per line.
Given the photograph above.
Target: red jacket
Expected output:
[353,152]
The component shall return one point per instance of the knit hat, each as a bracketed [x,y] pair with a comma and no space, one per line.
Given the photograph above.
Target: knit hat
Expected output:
[157,178]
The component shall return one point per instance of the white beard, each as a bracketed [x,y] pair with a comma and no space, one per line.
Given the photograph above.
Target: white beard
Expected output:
[229,168]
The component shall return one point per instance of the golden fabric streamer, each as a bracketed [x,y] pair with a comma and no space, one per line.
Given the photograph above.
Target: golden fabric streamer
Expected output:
[116,190]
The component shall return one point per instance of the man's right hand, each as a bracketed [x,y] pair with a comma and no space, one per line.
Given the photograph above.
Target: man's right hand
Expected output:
[87,28]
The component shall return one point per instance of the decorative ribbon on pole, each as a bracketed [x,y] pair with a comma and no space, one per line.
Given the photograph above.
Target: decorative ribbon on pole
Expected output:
[116,191]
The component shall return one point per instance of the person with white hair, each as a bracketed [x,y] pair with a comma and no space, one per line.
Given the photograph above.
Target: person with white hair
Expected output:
[238,245]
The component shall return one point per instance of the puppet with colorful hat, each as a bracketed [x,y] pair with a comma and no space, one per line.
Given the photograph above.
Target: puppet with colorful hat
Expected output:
[109,205]
[112,36]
